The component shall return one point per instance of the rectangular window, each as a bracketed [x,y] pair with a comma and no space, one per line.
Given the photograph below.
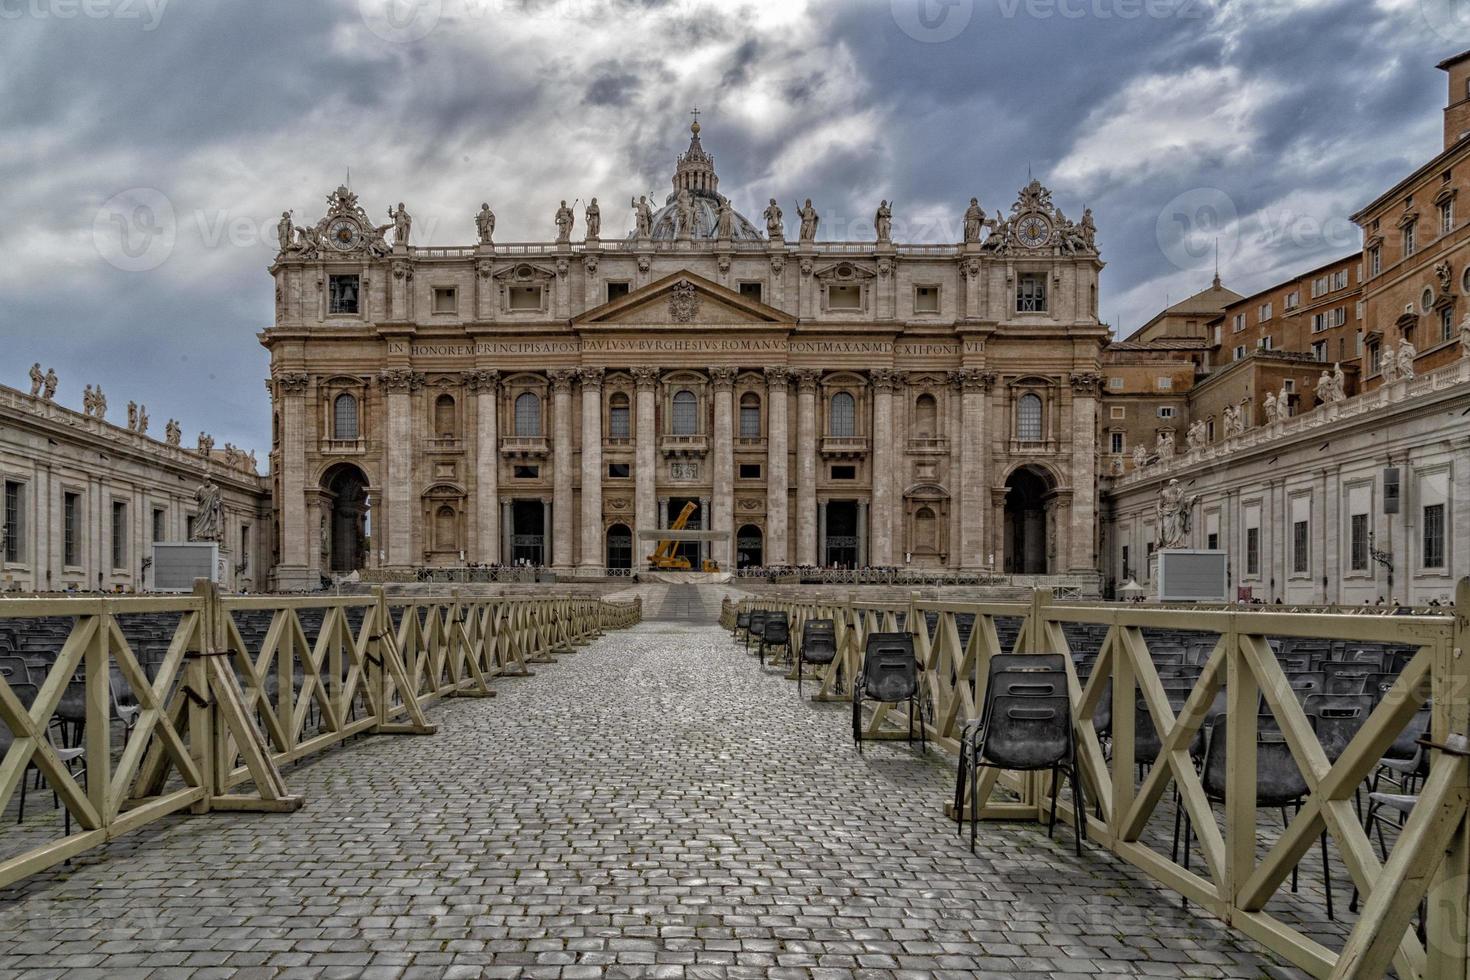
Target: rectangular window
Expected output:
[844,296]
[1447,217]
[1267,342]
[1300,546]
[1164,384]
[446,299]
[71,539]
[844,472]
[750,419]
[1446,322]
[1319,350]
[189,527]
[15,521]
[1238,353]
[1319,322]
[1339,279]
[526,472]
[616,290]
[245,543]
[752,290]
[1212,542]
[1166,411]
[1293,299]
[525,299]
[1117,443]
[119,534]
[750,471]
[1264,313]
[1408,240]
[1115,384]
[1253,551]
[618,471]
[1118,411]
[1434,536]
[926,299]
[1237,323]
[1031,294]
[1358,542]
[342,294]
[619,422]
[1319,286]
[1375,261]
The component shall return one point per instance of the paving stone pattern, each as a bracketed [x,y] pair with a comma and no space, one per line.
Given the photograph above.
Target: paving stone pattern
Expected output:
[652,806]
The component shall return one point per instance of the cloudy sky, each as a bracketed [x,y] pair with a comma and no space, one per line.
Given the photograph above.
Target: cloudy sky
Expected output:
[149,145]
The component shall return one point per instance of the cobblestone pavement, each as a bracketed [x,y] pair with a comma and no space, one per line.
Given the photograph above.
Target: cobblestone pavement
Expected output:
[652,806]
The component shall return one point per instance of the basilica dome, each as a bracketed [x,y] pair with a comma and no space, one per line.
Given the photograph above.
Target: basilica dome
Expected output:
[695,173]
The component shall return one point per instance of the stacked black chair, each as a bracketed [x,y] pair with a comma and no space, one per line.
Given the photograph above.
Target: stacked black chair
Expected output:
[818,646]
[776,633]
[890,674]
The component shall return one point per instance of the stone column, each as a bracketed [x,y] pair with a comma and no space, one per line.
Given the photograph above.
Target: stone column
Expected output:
[862,533]
[663,513]
[561,468]
[507,533]
[956,443]
[806,466]
[1083,524]
[292,573]
[821,534]
[704,525]
[881,514]
[975,389]
[592,540]
[723,468]
[775,552]
[548,518]
[647,513]
[399,384]
[486,386]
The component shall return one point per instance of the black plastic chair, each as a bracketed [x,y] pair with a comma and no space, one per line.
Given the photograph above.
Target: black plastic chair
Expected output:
[818,646]
[755,626]
[1031,734]
[742,622]
[890,674]
[777,633]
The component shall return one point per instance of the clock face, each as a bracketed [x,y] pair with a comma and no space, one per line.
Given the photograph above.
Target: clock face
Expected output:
[1033,231]
[343,234]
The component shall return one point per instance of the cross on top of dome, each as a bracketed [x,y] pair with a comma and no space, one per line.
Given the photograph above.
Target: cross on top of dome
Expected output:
[695,170]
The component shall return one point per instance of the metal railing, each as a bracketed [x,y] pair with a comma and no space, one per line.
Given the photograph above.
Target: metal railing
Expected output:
[1430,861]
[209,696]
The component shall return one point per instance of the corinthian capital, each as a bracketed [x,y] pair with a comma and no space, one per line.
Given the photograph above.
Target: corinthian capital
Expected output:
[777,377]
[885,379]
[646,378]
[807,378]
[722,378]
[561,378]
[1086,383]
[482,380]
[972,379]
[400,379]
[591,377]
[293,383]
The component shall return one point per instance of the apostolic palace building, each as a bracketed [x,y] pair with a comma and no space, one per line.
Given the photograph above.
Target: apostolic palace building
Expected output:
[822,403]
[952,408]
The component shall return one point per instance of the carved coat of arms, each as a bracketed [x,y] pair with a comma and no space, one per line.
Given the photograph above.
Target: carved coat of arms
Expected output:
[684,302]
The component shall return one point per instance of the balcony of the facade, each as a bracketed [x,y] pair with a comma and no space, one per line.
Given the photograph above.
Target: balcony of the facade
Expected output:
[684,447]
[844,447]
[928,446]
[445,444]
[750,443]
[1034,447]
[523,447]
[342,447]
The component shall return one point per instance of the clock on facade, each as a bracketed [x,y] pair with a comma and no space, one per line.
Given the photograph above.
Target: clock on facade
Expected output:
[1033,231]
[344,234]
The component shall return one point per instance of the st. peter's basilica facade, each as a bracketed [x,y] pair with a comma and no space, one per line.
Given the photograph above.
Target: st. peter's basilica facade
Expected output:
[822,403]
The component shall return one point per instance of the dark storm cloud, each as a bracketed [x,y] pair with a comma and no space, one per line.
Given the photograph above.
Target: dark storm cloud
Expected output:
[1296,111]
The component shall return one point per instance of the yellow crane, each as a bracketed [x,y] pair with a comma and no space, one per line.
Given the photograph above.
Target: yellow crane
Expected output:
[663,558]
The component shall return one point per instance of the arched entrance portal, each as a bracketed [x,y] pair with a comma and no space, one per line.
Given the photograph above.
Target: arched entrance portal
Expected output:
[749,550]
[619,546]
[346,519]
[1026,525]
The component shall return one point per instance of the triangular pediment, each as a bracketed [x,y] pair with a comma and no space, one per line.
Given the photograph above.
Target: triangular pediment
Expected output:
[683,299]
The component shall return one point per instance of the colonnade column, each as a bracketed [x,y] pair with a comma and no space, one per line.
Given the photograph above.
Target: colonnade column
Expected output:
[1084,473]
[645,516]
[723,470]
[975,389]
[775,551]
[592,539]
[806,466]
[561,467]
[486,386]
[400,383]
[881,513]
[291,393]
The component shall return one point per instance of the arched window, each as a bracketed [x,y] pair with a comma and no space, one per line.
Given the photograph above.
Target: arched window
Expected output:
[344,417]
[444,427]
[444,530]
[1028,419]
[528,415]
[750,415]
[619,425]
[844,415]
[926,417]
[686,413]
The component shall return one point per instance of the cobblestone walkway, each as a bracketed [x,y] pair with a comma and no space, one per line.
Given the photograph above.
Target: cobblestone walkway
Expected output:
[653,806]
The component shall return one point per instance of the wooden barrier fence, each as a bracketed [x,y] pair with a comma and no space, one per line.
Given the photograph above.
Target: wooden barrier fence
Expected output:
[243,688]
[1430,862]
